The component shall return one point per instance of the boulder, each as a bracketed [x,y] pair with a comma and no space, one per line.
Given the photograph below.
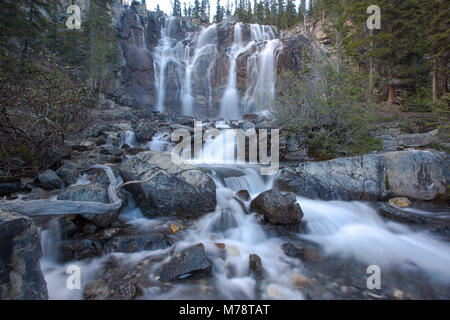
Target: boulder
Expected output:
[119,279]
[255,266]
[418,139]
[50,180]
[415,174]
[82,249]
[8,188]
[192,260]
[68,173]
[21,276]
[111,150]
[278,208]
[144,132]
[243,195]
[91,193]
[402,202]
[420,175]
[168,189]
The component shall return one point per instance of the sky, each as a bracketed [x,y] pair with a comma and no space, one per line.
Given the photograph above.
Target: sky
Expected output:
[166,6]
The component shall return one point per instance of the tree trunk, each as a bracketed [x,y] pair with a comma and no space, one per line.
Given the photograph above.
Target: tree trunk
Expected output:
[371,65]
[391,74]
[63,207]
[435,79]
[444,84]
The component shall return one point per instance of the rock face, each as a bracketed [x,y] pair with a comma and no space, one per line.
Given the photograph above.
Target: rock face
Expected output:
[278,208]
[169,189]
[415,174]
[145,52]
[21,276]
[185,263]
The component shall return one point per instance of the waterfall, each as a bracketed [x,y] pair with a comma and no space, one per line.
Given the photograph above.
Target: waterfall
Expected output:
[162,55]
[204,44]
[261,69]
[184,70]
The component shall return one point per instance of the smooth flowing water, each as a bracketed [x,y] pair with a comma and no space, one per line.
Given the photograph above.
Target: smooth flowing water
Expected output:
[184,70]
[345,232]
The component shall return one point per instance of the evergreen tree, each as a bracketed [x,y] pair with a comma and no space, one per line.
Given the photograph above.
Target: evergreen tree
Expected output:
[220,11]
[176,8]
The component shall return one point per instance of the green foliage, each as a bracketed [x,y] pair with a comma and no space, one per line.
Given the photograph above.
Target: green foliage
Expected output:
[39,110]
[103,49]
[329,107]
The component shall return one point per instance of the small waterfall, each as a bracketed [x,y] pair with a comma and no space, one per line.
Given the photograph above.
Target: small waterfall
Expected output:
[142,29]
[129,138]
[230,106]
[261,69]
[205,44]
[163,54]
[184,70]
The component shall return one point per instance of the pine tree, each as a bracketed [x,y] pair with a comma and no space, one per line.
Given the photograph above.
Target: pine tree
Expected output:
[219,13]
[436,13]
[176,8]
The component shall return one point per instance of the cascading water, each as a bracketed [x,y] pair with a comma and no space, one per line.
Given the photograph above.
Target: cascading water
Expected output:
[196,58]
[352,232]
[205,44]
[230,106]
[261,68]
[164,53]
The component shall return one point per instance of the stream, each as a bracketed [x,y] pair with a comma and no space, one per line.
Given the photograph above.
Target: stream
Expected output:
[343,239]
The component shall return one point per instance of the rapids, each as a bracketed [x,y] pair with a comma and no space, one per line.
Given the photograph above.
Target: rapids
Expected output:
[350,236]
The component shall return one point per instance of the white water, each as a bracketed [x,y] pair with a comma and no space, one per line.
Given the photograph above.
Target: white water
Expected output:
[195,58]
[346,230]
[128,138]
[164,53]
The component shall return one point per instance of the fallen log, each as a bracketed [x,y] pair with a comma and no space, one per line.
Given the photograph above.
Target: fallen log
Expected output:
[66,207]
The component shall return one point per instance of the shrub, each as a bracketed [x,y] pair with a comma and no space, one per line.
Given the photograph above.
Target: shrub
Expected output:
[39,109]
[330,108]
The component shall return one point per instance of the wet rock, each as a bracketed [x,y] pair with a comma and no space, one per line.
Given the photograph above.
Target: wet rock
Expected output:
[97,247]
[49,180]
[91,193]
[300,280]
[278,208]
[305,253]
[144,132]
[21,276]
[8,188]
[402,202]
[174,229]
[256,267]
[110,150]
[395,214]
[168,189]
[225,222]
[243,195]
[246,125]
[192,260]
[68,173]
[292,251]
